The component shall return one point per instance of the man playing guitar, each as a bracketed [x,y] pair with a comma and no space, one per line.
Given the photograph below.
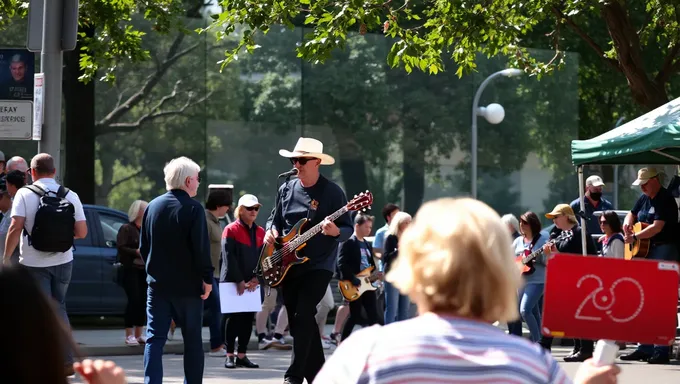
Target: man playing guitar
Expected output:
[656,207]
[356,255]
[314,197]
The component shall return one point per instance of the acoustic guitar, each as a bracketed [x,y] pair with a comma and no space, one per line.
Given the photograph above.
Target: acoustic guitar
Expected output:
[639,247]
[351,292]
[525,262]
[277,259]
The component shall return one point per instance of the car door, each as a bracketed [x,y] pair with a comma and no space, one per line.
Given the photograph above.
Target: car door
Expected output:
[84,292]
[113,295]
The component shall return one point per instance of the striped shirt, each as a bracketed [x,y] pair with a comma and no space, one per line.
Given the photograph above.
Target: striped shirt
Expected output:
[435,349]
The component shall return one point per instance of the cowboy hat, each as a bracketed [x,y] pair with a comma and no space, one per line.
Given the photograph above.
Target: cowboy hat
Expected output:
[308,147]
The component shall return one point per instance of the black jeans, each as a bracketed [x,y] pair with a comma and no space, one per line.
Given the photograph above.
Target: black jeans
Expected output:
[239,325]
[580,345]
[301,294]
[134,284]
[367,302]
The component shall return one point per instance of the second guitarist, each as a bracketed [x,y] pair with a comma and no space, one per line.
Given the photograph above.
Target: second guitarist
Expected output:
[356,255]
[314,197]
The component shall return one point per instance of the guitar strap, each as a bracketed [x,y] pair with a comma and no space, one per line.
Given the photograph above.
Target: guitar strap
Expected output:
[533,242]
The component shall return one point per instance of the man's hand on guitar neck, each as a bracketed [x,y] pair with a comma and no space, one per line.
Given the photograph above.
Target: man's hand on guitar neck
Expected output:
[329,228]
[271,236]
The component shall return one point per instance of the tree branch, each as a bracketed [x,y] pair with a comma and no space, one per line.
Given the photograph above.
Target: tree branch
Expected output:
[124,179]
[589,40]
[156,112]
[669,66]
[152,80]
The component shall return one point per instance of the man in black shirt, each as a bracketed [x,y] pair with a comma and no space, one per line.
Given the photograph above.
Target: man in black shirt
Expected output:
[314,197]
[656,207]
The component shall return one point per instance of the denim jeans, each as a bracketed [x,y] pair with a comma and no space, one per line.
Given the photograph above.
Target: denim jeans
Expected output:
[217,331]
[663,252]
[529,297]
[54,282]
[396,304]
[187,312]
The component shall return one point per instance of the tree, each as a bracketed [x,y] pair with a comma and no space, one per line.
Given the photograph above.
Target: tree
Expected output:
[644,36]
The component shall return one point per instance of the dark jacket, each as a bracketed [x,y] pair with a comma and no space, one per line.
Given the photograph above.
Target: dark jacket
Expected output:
[390,251]
[127,243]
[174,243]
[241,251]
[574,244]
[349,259]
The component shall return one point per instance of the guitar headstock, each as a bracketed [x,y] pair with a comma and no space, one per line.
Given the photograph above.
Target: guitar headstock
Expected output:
[360,201]
[565,235]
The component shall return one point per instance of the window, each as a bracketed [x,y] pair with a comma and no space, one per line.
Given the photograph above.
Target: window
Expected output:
[110,225]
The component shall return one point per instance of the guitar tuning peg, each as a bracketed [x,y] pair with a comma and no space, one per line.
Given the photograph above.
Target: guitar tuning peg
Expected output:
[367,191]
[355,195]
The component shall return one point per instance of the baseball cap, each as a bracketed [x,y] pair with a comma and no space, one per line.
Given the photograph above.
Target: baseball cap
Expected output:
[594,181]
[644,175]
[560,209]
[248,200]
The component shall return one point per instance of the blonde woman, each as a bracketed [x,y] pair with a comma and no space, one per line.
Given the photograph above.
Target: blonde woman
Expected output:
[456,263]
[134,275]
[396,304]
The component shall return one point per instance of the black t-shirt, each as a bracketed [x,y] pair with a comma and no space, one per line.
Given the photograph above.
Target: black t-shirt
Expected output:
[574,244]
[662,207]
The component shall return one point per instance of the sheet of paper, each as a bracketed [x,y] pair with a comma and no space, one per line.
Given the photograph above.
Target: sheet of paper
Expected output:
[231,302]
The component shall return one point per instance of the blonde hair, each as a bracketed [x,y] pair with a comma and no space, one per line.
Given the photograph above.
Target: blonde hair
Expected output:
[456,257]
[177,171]
[398,219]
[135,207]
[237,212]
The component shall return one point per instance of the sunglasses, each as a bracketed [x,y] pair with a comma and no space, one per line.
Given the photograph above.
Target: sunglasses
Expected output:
[252,208]
[603,222]
[301,160]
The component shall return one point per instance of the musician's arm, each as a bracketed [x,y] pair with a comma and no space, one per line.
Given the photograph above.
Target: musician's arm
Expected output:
[275,217]
[344,222]
[541,260]
[345,258]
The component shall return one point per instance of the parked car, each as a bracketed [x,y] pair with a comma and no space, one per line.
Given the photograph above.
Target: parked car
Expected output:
[92,290]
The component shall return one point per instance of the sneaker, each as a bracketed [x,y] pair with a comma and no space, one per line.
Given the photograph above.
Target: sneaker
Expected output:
[131,340]
[280,343]
[265,343]
[219,353]
[325,344]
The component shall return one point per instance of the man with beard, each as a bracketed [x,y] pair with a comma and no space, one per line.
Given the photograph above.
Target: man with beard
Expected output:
[593,201]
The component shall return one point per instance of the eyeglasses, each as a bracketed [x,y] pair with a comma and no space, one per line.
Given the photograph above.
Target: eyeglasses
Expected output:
[301,160]
[603,222]
[256,208]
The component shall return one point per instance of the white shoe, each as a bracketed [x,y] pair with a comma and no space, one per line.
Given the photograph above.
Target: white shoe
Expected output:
[219,353]
[325,344]
[280,343]
[131,340]
[265,343]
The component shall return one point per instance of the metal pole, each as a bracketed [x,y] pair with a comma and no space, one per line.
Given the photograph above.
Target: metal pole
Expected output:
[51,63]
[473,150]
[583,209]
[616,172]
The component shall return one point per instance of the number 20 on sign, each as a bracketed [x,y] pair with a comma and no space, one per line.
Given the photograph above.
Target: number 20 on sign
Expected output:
[603,298]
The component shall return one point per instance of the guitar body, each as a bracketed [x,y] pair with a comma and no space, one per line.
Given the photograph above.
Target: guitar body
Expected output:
[276,260]
[351,292]
[528,268]
[638,248]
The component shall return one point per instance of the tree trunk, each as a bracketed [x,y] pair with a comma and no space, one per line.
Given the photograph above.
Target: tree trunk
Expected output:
[352,164]
[414,171]
[79,99]
[645,91]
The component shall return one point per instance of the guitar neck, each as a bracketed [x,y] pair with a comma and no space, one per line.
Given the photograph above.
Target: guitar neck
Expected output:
[315,229]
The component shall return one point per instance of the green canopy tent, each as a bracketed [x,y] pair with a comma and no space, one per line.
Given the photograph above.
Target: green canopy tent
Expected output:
[653,138]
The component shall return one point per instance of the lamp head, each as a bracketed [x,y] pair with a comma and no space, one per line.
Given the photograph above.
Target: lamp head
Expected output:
[493,113]
[511,72]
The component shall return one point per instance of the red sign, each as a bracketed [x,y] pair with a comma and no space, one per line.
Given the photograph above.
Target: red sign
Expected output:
[589,297]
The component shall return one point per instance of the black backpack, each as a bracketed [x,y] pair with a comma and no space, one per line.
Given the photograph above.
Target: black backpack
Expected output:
[54,221]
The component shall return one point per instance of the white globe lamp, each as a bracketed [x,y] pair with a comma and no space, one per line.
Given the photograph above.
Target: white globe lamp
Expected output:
[493,113]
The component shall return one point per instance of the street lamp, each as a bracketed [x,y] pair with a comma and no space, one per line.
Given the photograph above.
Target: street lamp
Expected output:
[493,113]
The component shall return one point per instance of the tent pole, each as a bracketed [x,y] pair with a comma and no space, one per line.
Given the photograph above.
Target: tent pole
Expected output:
[581,194]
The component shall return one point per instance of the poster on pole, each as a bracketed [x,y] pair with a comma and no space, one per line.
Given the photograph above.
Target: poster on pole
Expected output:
[39,79]
[16,74]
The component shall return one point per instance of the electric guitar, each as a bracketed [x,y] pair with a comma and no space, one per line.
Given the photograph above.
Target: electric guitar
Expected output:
[351,292]
[639,248]
[525,262]
[277,259]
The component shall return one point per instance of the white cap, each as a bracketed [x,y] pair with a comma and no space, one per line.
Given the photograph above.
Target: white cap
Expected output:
[2,156]
[248,201]
[594,181]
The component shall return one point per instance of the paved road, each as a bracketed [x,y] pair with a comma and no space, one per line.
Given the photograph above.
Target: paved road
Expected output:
[274,363]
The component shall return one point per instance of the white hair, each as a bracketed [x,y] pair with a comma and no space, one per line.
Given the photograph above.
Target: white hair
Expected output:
[510,219]
[397,220]
[17,162]
[135,207]
[177,171]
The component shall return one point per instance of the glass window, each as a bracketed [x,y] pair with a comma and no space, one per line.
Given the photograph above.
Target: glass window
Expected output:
[110,225]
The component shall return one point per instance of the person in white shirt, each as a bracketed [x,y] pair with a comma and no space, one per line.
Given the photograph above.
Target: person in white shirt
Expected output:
[52,270]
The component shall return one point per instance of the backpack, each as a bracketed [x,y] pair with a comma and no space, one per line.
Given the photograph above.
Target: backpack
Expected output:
[54,221]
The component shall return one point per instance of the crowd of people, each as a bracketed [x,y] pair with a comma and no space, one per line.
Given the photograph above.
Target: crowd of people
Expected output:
[441,279]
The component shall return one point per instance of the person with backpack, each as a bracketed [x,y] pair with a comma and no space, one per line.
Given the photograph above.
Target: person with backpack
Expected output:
[46,218]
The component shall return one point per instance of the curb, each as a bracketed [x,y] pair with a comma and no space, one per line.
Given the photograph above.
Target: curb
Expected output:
[171,348]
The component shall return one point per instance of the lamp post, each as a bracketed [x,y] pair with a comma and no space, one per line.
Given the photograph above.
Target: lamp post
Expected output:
[493,113]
